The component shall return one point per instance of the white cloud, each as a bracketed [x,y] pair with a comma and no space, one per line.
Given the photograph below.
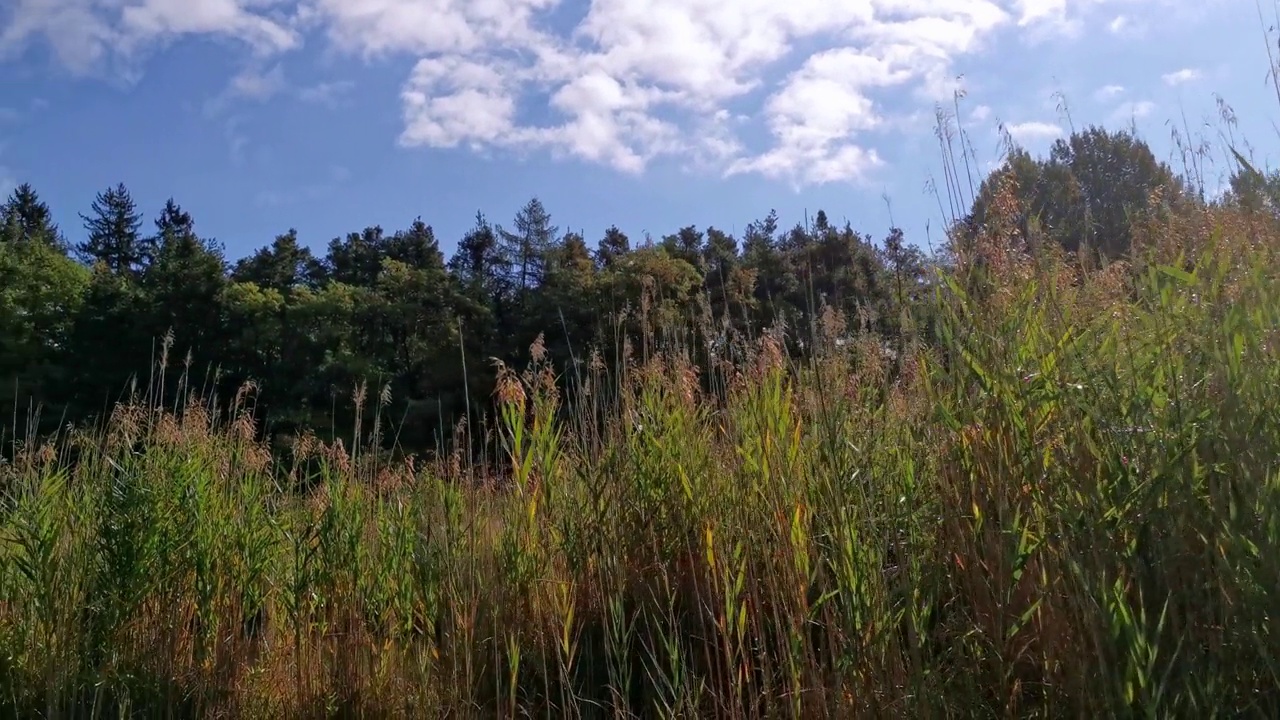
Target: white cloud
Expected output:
[1119,24]
[142,21]
[1033,131]
[451,100]
[326,93]
[634,80]
[257,85]
[86,35]
[377,27]
[981,113]
[1031,12]
[820,107]
[1108,92]
[249,84]
[1132,110]
[1181,77]
[638,79]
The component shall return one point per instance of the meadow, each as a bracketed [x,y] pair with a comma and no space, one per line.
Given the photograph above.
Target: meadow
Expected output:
[1066,505]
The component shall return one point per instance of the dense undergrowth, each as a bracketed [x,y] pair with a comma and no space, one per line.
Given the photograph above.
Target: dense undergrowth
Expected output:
[1067,507]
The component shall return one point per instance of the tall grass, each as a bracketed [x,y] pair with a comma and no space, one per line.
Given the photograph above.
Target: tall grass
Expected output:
[1070,507]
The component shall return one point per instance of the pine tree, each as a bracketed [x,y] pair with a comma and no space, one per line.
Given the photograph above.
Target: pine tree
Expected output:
[114,233]
[416,247]
[613,246]
[761,253]
[686,245]
[528,245]
[25,218]
[183,281]
[357,258]
[284,266]
[720,262]
[480,264]
[173,224]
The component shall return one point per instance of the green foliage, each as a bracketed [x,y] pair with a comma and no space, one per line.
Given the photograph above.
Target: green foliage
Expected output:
[183,284]
[41,291]
[1254,189]
[1087,194]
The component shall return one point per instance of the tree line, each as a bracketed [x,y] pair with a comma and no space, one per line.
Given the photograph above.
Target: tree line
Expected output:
[386,310]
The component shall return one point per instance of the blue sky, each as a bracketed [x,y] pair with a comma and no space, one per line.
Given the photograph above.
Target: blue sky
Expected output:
[330,115]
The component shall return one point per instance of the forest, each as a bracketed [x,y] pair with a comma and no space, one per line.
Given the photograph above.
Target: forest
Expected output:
[803,472]
[88,311]
[385,310]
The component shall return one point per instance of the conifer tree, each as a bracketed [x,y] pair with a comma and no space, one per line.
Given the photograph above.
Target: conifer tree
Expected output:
[25,218]
[528,245]
[114,233]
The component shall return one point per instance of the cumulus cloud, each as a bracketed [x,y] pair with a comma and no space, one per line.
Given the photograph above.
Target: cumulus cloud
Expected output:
[632,81]
[1107,92]
[638,79]
[819,109]
[1031,12]
[1132,110]
[378,27]
[449,100]
[1181,77]
[87,35]
[1033,131]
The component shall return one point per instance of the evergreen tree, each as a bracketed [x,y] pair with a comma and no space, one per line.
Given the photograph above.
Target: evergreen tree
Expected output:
[483,269]
[357,258]
[568,306]
[283,266]
[25,218]
[481,272]
[184,281]
[528,245]
[686,245]
[416,247]
[762,254]
[612,247]
[413,309]
[114,236]
[727,289]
